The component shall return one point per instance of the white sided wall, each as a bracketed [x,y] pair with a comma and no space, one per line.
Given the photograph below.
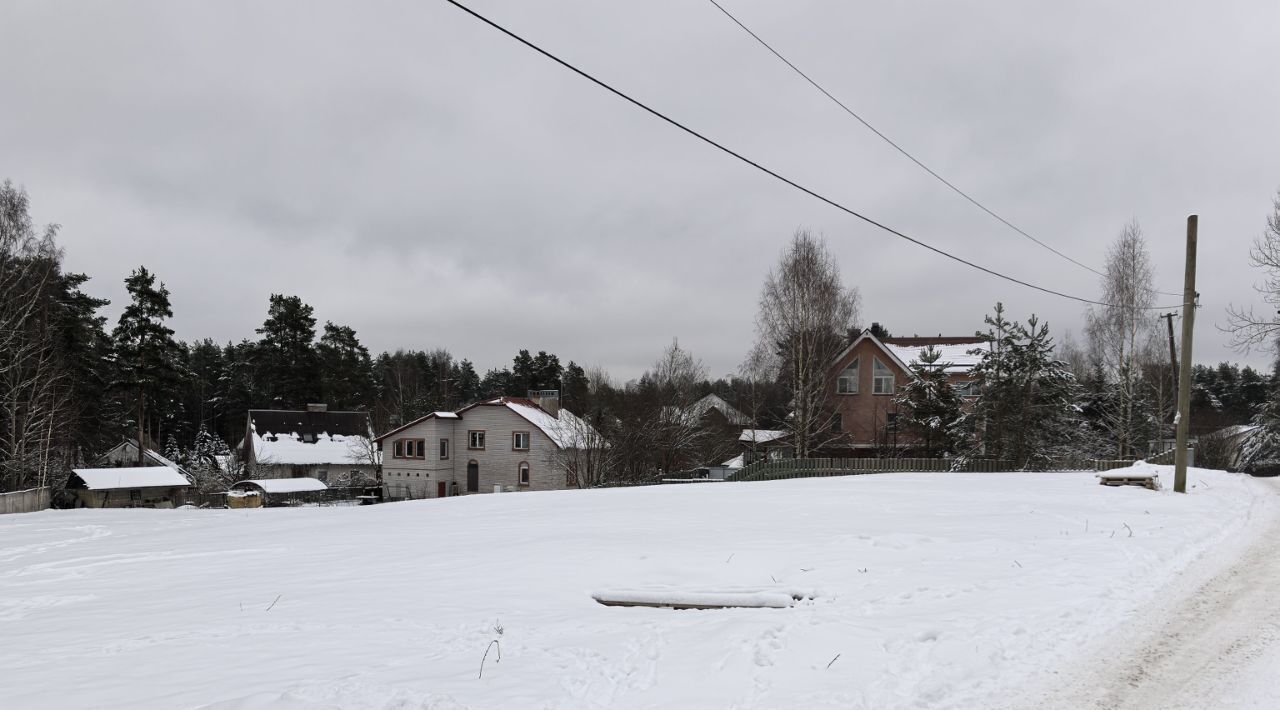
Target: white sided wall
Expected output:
[499,463]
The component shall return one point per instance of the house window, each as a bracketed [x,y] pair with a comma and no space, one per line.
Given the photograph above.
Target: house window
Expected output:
[399,454]
[848,380]
[967,389]
[475,439]
[891,421]
[882,382]
[519,441]
[837,422]
[444,449]
[524,473]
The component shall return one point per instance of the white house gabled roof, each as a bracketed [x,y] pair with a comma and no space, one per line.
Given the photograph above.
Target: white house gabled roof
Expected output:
[102,479]
[567,430]
[285,485]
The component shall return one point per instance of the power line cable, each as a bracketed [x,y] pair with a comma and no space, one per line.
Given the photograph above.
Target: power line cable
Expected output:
[773,174]
[902,150]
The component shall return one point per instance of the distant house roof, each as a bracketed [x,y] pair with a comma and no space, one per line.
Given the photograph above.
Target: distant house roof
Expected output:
[282,485]
[101,479]
[715,402]
[761,436]
[303,422]
[311,437]
[128,448]
[953,351]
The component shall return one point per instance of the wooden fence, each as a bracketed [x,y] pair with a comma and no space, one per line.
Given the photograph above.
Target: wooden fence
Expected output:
[28,501]
[815,468]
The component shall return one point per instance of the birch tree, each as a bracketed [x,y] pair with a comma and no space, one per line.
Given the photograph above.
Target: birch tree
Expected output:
[1120,335]
[805,315]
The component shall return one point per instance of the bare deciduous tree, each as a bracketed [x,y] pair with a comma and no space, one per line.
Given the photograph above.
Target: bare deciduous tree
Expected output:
[1246,327]
[1120,336]
[805,315]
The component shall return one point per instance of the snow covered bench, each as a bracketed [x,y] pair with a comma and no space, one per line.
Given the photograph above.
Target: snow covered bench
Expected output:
[1130,477]
[677,599]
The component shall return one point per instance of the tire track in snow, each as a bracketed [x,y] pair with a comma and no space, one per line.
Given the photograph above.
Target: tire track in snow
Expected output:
[1199,645]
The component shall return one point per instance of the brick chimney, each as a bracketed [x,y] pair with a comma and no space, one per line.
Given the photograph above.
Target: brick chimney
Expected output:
[548,400]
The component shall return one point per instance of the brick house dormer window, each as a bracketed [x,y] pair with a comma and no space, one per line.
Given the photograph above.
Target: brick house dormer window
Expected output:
[847,383]
[882,378]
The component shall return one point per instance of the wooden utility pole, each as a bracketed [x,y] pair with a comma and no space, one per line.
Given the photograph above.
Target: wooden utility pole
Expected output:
[1184,373]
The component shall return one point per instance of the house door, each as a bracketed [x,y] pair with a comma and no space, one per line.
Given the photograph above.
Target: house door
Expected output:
[473,477]
[442,489]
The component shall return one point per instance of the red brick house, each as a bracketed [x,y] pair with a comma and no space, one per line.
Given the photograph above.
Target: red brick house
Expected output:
[867,374]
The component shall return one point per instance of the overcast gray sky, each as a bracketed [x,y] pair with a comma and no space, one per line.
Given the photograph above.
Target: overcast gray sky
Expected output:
[414,174]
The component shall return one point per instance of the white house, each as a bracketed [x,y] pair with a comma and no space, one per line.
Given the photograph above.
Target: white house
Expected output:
[507,443]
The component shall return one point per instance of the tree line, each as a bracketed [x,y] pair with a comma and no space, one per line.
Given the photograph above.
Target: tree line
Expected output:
[72,385]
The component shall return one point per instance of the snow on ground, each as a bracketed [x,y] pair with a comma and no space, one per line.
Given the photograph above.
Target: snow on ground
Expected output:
[929,591]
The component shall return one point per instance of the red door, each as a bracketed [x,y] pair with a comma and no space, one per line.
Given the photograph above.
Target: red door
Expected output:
[442,489]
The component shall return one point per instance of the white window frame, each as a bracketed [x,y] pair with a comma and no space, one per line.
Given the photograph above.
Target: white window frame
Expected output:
[844,380]
[516,437]
[967,388]
[878,379]
[524,474]
[444,449]
[473,436]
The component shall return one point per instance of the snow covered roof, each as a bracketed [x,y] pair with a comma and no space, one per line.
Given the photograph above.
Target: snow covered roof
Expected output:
[955,356]
[127,451]
[567,431]
[101,479]
[283,485]
[736,462]
[292,448]
[761,436]
[419,420]
[699,409]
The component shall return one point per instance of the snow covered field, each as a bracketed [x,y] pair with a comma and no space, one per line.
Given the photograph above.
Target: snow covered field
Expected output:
[928,591]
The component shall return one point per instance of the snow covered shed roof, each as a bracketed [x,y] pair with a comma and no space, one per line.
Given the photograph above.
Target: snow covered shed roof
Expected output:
[127,451]
[715,402]
[761,436]
[102,479]
[282,485]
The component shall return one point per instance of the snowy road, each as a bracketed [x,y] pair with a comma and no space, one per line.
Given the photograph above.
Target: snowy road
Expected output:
[1213,643]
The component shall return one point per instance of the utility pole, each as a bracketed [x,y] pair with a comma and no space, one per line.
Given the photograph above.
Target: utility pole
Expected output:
[1184,373]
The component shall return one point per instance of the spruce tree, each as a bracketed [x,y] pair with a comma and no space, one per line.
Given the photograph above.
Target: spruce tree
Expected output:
[931,405]
[1027,412]
[146,353]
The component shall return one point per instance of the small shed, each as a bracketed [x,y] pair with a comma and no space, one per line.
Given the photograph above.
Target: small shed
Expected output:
[274,492]
[128,487]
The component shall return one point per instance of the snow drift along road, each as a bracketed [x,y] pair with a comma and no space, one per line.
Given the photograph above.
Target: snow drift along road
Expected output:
[929,591]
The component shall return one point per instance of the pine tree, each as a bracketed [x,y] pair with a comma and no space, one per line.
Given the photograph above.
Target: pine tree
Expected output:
[931,404]
[288,364]
[1028,410]
[346,372]
[574,390]
[466,384]
[146,353]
